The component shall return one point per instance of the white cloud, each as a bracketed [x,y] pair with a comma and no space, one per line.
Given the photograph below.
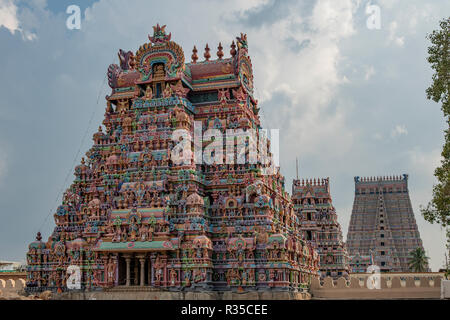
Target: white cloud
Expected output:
[399,130]
[308,79]
[393,37]
[377,136]
[370,71]
[424,162]
[8,16]
[10,20]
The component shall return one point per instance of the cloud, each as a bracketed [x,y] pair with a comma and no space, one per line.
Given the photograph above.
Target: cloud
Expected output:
[399,130]
[424,161]
[370,71]
[377,136]
[9,18]
[393,37]
[297,76]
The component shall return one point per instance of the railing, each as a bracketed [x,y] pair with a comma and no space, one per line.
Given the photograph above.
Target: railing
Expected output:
[383,286]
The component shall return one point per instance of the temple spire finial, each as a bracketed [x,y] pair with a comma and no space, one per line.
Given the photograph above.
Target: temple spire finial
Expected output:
[159,35]
[194,56]
[233,49]
[220,52]
[207,55]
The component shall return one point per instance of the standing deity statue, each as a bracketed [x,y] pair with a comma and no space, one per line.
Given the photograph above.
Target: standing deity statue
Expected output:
[111,267]
[133,229]
[187,278]
[143,232]
[167,92]
[148,92]
[173,277]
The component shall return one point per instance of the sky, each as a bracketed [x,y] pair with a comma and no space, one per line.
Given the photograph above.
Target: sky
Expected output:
[349,99]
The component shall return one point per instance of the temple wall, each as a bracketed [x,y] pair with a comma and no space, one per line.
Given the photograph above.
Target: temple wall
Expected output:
[12,275]
[159,295]
[392,286]
[12,282]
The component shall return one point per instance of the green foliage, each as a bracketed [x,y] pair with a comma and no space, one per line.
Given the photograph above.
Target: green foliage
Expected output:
[418,261]
[438,209]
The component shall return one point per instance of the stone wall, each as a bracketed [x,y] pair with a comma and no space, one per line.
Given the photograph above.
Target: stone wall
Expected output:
[141,294]
[14,281]
[391,286]
[11,284]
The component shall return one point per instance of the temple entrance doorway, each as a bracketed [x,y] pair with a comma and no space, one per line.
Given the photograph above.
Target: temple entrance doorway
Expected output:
[122,271]
[134,270]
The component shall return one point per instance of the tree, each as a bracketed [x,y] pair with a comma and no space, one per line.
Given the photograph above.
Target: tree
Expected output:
[418,260]
[438,209]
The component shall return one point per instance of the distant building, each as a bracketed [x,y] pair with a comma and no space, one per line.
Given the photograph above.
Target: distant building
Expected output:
[382,224]
[11,266]
[319,225]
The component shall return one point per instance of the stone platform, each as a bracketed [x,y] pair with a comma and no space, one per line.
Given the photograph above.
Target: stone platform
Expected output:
[132,293]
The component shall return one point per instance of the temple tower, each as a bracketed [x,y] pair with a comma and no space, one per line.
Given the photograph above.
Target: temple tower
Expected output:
[382,226]
[143,212]
[319,225]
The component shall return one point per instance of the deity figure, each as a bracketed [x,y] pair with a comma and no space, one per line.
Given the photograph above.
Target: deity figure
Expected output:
[111,268]
[187,278]
[197,275]
[133,229]
[272,275]
[148,92]
[124,235]
[143,232]
[117,235]
[167,92]
[251,276]
[236,277]
[244,277]
[173,277]
[240,253]
[122,105]
[224,94]
[198,253]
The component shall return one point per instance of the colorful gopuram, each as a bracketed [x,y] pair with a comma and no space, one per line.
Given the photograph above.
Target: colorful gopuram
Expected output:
[134,216]
[319,225]
[382,226]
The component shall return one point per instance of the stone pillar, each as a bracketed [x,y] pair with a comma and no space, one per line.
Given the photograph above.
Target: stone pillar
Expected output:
[165,274]
[128,261]
[149,272]
[152,274]
[116,271]
[142,277]
[136,272]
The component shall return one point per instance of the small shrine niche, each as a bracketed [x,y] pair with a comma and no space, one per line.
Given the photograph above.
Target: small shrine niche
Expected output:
[158,71]
[159,74]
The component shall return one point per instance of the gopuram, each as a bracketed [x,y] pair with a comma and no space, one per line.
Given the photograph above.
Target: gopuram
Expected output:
[134,217]
[382,226]
[319,225]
